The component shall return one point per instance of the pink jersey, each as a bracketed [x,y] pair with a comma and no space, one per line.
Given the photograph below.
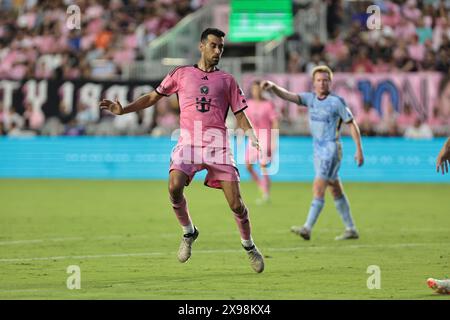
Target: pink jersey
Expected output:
[204,99]
[262,115]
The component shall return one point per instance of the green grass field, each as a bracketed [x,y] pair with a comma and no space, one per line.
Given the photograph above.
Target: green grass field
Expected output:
[124,237]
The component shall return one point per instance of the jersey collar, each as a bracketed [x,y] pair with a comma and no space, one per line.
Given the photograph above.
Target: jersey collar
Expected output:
[215,69]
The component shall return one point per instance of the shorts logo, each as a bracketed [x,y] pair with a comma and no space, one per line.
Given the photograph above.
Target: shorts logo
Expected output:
[204,90]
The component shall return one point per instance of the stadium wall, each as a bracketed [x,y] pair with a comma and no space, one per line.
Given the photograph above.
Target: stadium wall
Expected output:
[387,159]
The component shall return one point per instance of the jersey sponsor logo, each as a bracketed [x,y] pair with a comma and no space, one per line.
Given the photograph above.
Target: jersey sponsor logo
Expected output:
[205,78]
[320,119]
[203,105]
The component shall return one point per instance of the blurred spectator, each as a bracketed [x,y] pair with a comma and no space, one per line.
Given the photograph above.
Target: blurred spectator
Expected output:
[38,29]
[444,99]
[12,119]
[126,124]
[415,36]
[52,127]
[388,125]
[34,119]
[368,120]
[424,32]
[316,46]
[315,61]
[73,128]
[362,63]
[295,63]
[86,115]
[416,50]
[407,118]
[438,123]
[166,117]
[419,130]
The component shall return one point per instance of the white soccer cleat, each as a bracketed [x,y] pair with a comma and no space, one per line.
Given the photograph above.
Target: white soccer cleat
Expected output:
[348,234]
[303,232]
[439,286]
[184,252]
[256,259]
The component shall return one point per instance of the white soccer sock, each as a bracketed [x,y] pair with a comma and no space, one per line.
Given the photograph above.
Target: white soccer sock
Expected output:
[188,229]
[248,243]
[343,208]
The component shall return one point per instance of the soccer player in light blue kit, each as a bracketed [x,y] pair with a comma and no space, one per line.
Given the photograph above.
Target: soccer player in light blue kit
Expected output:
[326,114]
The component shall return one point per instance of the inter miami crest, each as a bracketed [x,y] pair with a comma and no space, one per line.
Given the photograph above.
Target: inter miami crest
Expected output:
[203,104]
[204,90]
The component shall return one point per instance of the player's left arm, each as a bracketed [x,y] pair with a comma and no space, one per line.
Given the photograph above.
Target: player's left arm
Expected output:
[347,116]
[356,136]
[244,123]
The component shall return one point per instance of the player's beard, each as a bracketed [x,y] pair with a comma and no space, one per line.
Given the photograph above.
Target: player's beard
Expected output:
[214,62]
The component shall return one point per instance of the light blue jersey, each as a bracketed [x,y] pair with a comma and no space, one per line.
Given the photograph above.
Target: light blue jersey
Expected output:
[325,119]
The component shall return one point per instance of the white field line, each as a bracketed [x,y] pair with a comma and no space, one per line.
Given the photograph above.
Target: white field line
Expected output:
[168,235]
[167,253]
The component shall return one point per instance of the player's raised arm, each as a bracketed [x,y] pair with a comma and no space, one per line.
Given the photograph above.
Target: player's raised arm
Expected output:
[280,91]
[356,135]
[443,158]
[141,103]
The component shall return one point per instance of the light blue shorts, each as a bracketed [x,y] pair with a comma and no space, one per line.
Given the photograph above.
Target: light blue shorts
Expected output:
[327,168]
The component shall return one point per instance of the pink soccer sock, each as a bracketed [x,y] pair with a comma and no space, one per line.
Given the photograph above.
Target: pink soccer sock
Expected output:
[243,223]
[182,212]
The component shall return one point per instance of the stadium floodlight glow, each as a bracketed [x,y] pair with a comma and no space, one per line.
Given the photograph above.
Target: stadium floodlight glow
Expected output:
[263,20]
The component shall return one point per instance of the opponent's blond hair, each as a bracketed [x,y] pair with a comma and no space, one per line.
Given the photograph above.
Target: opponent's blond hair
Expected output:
[322,68]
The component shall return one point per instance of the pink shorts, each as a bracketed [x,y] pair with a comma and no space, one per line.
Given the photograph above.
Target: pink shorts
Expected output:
[197,161]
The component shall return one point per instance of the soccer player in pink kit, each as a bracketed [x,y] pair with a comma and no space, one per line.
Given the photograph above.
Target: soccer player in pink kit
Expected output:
[263,117]
[205,95]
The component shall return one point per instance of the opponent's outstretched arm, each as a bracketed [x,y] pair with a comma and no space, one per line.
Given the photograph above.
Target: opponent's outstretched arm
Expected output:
[141,103]
[280,91]
[443,158]
[356,136]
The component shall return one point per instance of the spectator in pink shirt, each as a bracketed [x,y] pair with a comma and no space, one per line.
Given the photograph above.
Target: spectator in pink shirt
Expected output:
[416,50]
[410,10]
[335,49]
[405,30]
[362,63]
[392,17]
[34,119]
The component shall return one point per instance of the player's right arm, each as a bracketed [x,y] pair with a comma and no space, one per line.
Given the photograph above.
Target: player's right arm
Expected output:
[443,158]
[168,86]
[280,91]
[141,103]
